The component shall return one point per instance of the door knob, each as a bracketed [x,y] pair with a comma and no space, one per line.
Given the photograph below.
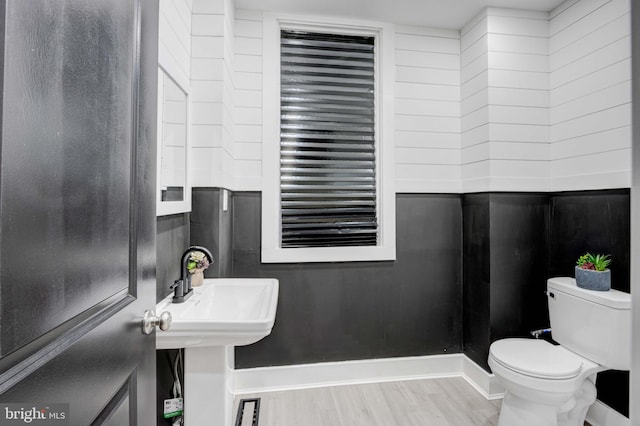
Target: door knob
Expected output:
[150,321]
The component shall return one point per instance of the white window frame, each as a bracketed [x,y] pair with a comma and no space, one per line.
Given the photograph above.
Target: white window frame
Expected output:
[272,252]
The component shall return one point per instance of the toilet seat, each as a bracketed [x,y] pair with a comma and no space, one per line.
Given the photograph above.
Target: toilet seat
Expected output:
[537,358]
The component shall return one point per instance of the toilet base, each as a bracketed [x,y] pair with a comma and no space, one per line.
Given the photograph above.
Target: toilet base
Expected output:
[517,411]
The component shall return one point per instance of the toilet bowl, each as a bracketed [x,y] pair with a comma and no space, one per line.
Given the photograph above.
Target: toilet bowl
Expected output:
[554,385]
[545,384]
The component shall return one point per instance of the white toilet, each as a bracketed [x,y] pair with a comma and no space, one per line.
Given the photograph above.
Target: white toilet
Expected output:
[549,385]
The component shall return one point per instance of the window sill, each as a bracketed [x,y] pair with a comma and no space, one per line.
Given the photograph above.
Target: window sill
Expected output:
[329,254]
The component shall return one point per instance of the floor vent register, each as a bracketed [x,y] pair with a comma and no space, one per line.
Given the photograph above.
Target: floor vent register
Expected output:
[248,412]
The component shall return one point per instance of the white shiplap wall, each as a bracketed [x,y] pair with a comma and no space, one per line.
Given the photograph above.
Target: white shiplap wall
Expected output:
[212,93]
[248,105]
[174,36]
[590,94]
[516,101]
[427,110]
[504,106]
[427,93]
[474,80]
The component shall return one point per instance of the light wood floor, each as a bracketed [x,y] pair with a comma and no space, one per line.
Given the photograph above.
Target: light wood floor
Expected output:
[433,402]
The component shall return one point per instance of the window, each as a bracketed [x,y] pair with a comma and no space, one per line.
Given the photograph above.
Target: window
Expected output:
[328,158]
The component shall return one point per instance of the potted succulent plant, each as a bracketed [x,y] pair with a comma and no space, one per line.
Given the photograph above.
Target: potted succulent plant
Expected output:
[592,272]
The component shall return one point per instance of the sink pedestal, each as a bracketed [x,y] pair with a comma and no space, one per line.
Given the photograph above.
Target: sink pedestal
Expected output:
[221,314]
[208,395]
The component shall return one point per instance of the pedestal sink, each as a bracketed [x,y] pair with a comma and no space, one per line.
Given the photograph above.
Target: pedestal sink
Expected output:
[222,313]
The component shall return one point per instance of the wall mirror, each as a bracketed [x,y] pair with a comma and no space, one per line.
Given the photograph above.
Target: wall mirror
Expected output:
[173,190]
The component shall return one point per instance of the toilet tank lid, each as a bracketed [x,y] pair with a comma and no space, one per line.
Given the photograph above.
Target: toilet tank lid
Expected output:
[613,298]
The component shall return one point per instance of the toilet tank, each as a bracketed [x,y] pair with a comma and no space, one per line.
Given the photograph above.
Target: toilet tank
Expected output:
[593,324]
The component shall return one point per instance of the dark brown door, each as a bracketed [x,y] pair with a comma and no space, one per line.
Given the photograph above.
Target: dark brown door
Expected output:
[77,209]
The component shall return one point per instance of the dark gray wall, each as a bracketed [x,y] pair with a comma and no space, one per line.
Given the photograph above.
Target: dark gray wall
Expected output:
[211,228]
[514,241]
[476,277]
[596,221]
[360,310]
[419,304]
[505,242]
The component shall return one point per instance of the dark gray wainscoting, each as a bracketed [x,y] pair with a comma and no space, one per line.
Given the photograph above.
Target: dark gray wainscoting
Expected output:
[514,241]
[505,268]
[505,245]
[211,227]
[361,310]
[595,221]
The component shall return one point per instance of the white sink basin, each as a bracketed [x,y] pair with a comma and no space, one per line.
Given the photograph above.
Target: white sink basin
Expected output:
[223,311]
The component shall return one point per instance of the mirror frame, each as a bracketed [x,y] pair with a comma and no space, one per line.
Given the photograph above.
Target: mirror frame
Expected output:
[167,64]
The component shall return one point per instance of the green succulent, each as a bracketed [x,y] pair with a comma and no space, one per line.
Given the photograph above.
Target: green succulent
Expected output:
[596,262]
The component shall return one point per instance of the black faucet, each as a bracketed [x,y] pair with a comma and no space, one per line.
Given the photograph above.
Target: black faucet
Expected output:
[182,287]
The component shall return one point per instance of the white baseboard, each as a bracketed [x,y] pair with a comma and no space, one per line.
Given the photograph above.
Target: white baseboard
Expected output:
[602,415]
[483,382]
[305,376]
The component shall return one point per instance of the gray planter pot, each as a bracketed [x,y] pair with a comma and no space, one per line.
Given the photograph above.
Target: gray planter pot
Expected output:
[593,280]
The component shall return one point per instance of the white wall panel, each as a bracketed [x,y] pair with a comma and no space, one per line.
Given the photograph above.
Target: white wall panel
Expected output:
[609,75]
[505,118]
[207,25]
[577,20]
[427,120]
[475,102]
[207,69]
[595,60]
[476,153]
[473,32]
[248,133]
[211,85]
[405,138]
[513,150]
[427,91]
[611,118]
[474,68]
[518,44]
[519,97]
[207,47]
[203,90]
[174,35]
[206,113]
[595,143]
[519,133]
[519,79]
[474,85]
[590,104]
[519,115]
[506,101]
[475,119]
[427,75]
[422,123]
[603,36]
[518,26]
[247,113]
[428,156]
[475,136]
[427,107]
[206,136]
[619,94]
[518,61]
